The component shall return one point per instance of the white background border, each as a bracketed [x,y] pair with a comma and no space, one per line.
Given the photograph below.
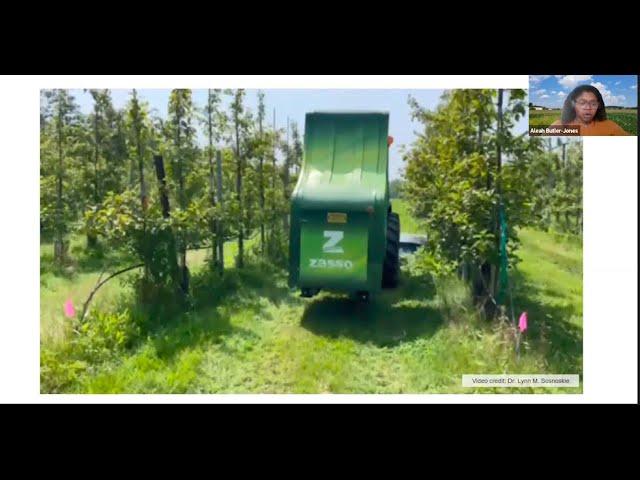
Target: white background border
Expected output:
[610,245]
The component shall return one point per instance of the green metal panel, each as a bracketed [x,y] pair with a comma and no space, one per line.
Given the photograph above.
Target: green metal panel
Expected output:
[334,254]
[344,171]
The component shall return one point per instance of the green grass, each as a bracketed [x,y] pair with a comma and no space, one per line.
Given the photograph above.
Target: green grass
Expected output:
[626,118]
[543,118]
[548,285]
[249,333]
[76,280]
[408,224]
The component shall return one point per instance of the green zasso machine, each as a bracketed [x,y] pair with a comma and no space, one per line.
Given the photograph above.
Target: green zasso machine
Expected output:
[344,236]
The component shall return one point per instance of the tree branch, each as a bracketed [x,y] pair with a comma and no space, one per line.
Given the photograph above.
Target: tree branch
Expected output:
[98,285]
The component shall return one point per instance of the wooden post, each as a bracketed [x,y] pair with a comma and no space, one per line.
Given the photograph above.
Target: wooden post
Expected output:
[164,203]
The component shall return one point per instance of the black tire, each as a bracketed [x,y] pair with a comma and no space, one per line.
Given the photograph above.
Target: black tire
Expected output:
[391,268]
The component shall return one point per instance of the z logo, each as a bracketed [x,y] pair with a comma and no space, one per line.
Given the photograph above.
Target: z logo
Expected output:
[331,246]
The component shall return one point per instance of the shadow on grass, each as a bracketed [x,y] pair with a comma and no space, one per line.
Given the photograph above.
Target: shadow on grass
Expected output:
[206,328]
[389,319]
[550,330]
[247,288]
[392,317]
[207,316]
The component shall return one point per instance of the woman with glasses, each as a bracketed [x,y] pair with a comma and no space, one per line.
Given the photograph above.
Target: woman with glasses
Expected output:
[584,107]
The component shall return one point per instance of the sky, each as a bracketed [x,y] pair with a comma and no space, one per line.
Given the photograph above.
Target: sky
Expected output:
[551,90]
[295,103]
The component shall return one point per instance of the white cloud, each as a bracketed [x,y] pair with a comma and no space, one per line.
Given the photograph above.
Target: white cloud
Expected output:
[572,81]
[618,82]
[544,96]
[541,91]
[537,78]
[561,94]
[608,97]
[634,87]
[553,92]
[558,76]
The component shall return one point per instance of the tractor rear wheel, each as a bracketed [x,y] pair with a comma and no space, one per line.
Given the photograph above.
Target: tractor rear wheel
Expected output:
[391,268]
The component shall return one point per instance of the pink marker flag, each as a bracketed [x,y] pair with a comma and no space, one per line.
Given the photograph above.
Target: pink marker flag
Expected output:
[522,323]
[69,311]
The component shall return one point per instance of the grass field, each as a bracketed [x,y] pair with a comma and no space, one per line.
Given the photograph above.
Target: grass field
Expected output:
[250,334]
[407,223]
[626,118]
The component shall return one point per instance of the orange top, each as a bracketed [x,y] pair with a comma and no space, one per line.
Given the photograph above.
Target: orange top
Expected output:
[605,127]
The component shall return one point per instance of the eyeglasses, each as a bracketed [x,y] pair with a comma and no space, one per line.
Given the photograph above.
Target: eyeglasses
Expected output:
[583,104]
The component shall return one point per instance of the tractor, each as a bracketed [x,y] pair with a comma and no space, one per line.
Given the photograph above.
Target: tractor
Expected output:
[344,236]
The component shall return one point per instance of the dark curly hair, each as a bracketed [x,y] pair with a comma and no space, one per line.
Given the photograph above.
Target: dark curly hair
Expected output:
[568,109]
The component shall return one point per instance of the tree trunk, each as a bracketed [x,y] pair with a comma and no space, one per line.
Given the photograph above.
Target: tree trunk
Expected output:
[58,246]
[578,223]
[240,262]
[92,240]
[482,279]
[143,186]
[182,250]
[495,272]
[261,173]
[214,222]
[219,231]
[212,193]
[287,166]
[272,216]
[273,177]
[96,156]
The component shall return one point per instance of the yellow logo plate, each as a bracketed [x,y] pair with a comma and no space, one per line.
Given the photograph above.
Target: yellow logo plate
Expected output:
[335,217]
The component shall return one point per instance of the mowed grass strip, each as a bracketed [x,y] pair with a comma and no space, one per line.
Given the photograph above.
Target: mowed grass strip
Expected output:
[249,333]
